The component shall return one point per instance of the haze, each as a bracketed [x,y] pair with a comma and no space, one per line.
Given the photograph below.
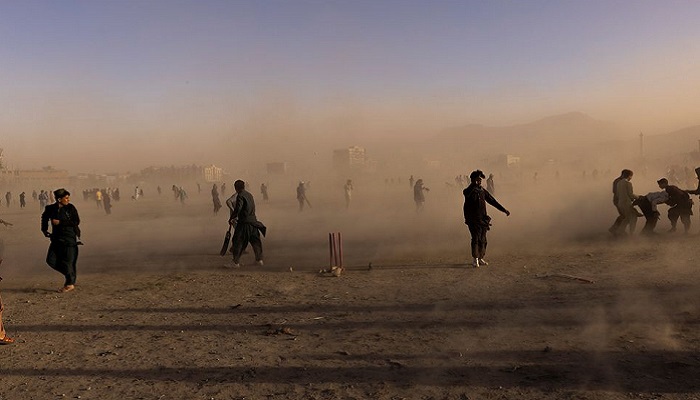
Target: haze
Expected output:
[116,86]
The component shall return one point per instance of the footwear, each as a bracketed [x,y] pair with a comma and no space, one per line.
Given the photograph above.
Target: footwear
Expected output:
[475,263]
[66,288]
[6,340]
[672,230]
[232,264]
[260,263]
[483,262]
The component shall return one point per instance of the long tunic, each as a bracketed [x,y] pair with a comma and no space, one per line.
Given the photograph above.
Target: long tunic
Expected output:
[475,199]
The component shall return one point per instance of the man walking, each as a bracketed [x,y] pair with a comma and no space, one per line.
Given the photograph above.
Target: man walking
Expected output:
[623,196]
[301,195]
[247,227]
[63,250]
[418,195]
[475,216]
[620,216]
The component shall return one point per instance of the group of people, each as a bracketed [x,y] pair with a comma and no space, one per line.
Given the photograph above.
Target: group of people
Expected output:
[248,228]
[625,200]
[43,198]
[60,222]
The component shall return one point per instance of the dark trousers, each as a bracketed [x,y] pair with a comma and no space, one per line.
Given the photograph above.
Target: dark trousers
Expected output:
[681,212]
[652,217]
[618,221]
[63,258]
[478,232]
[242,235]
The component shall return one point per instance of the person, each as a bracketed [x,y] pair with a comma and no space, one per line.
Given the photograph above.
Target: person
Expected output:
[65,230]
[22,200]
[223,189]
[4,339]
[625,198]
[159,190]
[620,214]
[348,193]
[215,199]
[199,188]
[35,196]
[107,200]
[410,181]
[697,175]
[648,205]
[681,205]
[183,195]
[490,186]
[418,195]
[137,193]
[301,195]
[247,227]
[43,200]
[476,218]
[98,197]
[8,197]
[263,190]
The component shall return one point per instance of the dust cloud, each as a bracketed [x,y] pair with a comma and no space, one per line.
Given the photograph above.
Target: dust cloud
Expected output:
[553,174]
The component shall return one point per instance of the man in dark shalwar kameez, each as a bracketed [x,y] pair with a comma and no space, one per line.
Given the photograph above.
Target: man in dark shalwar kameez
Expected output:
[475,216]
[65,230]
[247,227]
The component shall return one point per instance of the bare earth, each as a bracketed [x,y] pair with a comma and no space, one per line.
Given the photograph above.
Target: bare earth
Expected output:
[155,316]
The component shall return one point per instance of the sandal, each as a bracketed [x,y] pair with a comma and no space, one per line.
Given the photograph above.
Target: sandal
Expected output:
[6,340]
[66,288]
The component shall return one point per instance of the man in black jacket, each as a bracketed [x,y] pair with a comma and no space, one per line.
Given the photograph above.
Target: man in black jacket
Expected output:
[475,216]
[65,230]
[681,205]
[248,228]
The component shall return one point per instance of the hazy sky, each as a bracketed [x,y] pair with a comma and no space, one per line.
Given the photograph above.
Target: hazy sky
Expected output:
[144,75]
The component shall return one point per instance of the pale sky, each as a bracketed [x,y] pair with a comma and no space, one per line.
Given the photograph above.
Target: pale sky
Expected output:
[103,74]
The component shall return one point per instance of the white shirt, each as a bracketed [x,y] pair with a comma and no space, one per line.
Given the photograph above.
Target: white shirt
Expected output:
[657,198]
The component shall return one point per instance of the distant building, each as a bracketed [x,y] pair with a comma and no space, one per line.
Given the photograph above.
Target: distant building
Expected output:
[213,173]
[177,173]
[508,161]
[351,157]
[45,176]
[278,168]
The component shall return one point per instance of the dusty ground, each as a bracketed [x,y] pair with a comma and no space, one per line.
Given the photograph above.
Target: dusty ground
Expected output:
[155,316]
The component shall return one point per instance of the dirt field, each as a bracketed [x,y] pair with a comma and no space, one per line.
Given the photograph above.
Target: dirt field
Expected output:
[155,316]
